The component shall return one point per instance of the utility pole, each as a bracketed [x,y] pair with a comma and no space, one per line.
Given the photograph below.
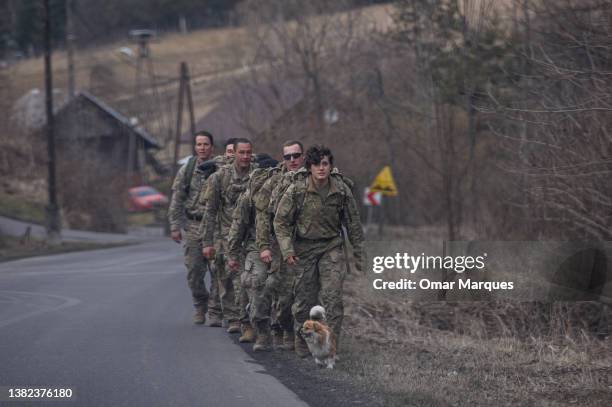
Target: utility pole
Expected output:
[184,91]
[148,111]
[189,101]
[179,120]
[53,224]
[70,47]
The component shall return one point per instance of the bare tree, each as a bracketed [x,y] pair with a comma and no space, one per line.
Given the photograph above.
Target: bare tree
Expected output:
[563,117]
[454,50]
[303,44]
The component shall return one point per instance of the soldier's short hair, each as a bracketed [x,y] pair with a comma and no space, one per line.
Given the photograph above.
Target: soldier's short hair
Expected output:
[315,154]
[242,140]
[205,134]
[229,141]
[293,142]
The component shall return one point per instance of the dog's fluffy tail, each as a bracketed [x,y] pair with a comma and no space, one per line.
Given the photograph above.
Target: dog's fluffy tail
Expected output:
[317,313]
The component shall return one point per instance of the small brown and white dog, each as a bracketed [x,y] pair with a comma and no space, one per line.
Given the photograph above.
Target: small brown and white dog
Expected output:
[319,337]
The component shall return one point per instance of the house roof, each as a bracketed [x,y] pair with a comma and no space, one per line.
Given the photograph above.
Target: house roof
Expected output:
[121,120]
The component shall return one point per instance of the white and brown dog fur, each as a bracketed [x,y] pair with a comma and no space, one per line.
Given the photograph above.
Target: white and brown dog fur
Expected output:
[319,337]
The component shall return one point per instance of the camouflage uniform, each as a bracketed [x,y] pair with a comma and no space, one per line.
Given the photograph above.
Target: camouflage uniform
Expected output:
[242,238]
[224,188]
[186,213]
[280,279]
[214,302]
[317,223]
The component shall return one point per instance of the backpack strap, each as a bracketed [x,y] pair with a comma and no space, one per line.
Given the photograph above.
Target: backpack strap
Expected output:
[189,174]
[301,183]
[343,186]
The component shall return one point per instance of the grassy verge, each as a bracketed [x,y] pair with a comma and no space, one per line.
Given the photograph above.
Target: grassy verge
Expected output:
[487,354]
[13,248]
[152,218]
[16,208]
[140,218]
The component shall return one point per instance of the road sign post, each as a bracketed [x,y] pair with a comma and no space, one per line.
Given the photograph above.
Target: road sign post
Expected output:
[384,185]
[371,200]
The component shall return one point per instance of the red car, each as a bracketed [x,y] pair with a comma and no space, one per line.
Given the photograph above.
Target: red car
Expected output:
[145,198]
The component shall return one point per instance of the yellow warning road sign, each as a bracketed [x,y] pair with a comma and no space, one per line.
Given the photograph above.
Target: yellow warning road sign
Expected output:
[384,183]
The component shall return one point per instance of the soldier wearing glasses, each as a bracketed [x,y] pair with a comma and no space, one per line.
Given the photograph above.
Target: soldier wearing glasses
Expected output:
[279,283]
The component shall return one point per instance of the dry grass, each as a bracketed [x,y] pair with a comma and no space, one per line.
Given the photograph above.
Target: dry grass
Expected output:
[486,354]
[19,208]
[206,51]
[209,53]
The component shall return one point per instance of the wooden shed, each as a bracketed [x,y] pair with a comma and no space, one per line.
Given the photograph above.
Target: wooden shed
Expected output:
[100,154]
[87,127]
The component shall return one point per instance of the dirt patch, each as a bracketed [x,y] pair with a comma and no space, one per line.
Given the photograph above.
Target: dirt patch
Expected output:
[318,387]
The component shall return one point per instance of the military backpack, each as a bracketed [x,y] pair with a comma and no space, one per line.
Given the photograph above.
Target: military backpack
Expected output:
[300,179]
[207,167]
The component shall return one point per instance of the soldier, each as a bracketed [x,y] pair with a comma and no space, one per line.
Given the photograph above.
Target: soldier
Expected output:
[279,282]
[229,148]
[224,188]
[215,311]
[185,213]
[314,210]
[242,237]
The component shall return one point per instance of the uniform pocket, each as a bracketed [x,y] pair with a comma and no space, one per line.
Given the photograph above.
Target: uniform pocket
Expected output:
[309,208]
[234,192]
[337,261]
[249,265]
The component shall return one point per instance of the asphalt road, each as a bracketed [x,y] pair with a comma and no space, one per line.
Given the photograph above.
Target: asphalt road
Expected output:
[115,327]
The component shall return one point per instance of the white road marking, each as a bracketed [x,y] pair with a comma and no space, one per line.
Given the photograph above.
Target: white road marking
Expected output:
[67,302]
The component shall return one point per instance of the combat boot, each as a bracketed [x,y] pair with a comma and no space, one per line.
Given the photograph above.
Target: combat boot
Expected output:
[248,334]
[277,339]
[234,327]
[301,349]
[262,343]
[214,321]
[199,317]
[288,341]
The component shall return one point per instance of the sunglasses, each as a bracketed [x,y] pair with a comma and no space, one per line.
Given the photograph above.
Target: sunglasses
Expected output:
[294,156]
